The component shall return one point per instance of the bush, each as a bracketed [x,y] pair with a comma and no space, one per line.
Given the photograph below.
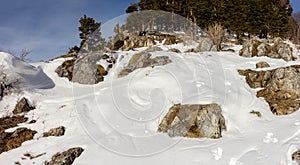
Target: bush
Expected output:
[216,33]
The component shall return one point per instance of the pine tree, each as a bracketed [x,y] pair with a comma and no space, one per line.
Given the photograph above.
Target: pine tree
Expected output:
[90,34]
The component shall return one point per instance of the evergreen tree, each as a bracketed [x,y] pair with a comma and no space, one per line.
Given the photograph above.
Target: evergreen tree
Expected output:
[255,17]
[90,34]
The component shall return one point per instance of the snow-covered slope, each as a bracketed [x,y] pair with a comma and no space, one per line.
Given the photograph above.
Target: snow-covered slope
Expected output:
[30,76]
[115,121]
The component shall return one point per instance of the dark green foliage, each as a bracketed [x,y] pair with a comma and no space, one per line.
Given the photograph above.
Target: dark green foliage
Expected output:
[132,8]
[255,17]
[90,34]
[75,49]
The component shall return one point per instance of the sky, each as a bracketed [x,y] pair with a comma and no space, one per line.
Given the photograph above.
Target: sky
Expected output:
[50,27]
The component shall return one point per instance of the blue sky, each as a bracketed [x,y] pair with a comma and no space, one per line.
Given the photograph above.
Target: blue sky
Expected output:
[49,27]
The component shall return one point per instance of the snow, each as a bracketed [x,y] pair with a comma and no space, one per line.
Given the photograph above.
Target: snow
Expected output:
[115,121]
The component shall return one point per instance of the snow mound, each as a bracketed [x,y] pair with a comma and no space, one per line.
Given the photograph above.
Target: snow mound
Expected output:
[30,77]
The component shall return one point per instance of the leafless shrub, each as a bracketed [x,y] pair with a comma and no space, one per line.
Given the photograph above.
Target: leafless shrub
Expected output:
[7,82]
[24,53]
[216,33]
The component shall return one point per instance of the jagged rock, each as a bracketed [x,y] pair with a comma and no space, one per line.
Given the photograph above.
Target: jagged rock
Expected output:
[59,131]
[11,140]
[260,47]
[262,64]
[22,106]
[144,39]
[296,156]
[66,157]
[66,69]
[281,87]
[87,71]
[143,60]
[194,121]
[10,122]
[256,79]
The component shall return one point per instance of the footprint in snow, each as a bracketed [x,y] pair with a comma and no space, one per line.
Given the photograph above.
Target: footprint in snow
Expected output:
[270,139]
[217,153]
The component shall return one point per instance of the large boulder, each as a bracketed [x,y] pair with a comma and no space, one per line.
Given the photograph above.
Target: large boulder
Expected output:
[87,71]
[194,121]
[66,157]
[143,60]
[281,87]
[260,47]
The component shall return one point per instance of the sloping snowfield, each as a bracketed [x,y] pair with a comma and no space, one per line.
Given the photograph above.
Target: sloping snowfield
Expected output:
[115,121]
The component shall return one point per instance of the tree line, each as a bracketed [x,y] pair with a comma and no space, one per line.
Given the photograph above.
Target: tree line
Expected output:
[252,17]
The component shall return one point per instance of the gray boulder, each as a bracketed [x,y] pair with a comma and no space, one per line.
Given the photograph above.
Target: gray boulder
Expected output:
[143,60]
[260,47]
[66,157]
[194,121]
[87,71]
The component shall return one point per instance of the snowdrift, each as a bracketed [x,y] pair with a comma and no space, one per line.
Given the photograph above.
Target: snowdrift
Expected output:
[30,77]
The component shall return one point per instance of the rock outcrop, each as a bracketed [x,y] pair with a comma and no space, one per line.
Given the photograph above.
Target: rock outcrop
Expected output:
[87,71]
[84,69]
[281,87]
[11,140]
[59,131]
[10,122]
[143,60]
[257,79]
[66,157]
[22,106]
[144,39]
[194,121]
[260,47]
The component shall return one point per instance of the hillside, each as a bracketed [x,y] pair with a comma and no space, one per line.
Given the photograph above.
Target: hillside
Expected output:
[116,121]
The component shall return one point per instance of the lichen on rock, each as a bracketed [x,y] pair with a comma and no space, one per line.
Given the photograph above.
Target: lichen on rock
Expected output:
[194,121]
